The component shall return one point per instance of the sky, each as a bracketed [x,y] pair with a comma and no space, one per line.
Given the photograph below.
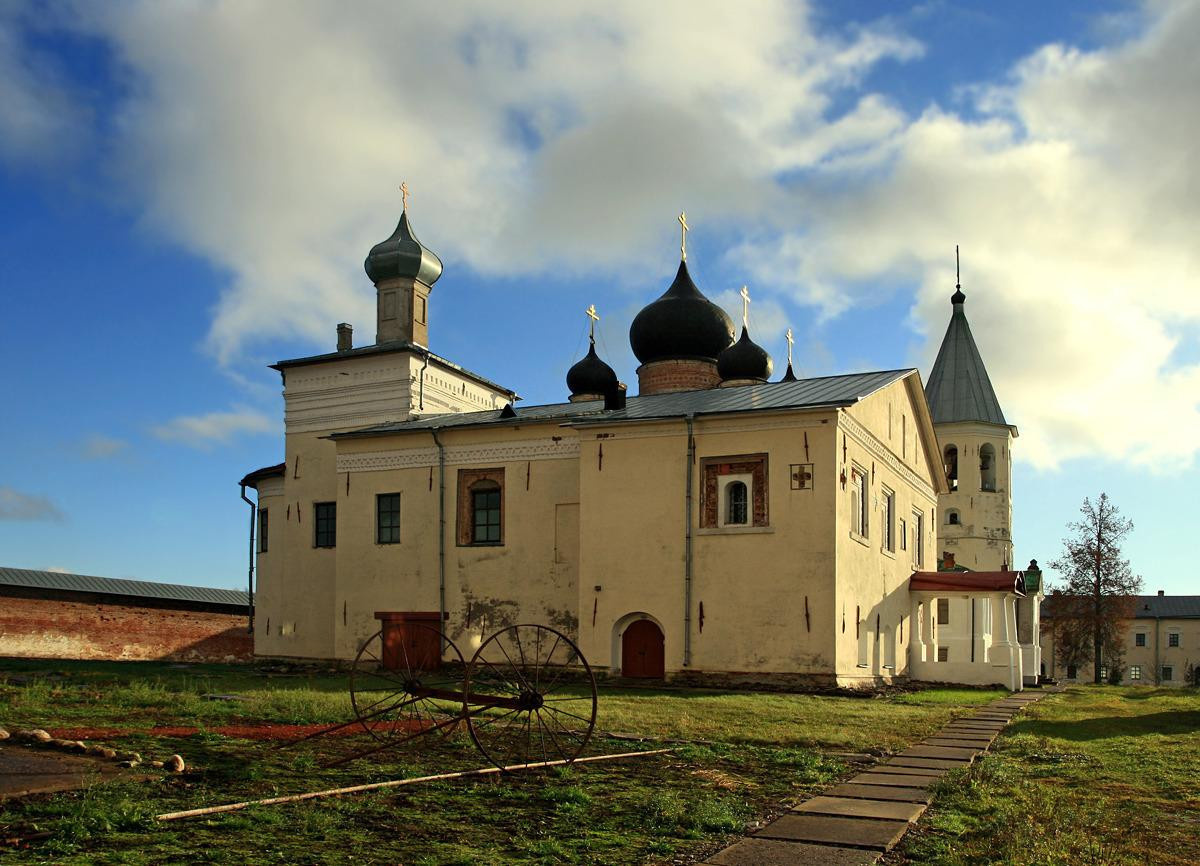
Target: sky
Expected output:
[188,190]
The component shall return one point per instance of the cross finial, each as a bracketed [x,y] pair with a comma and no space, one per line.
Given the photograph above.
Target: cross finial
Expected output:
[790,339]
[745,293]
[404,195]
[957,272]
[683,235]
[591,314]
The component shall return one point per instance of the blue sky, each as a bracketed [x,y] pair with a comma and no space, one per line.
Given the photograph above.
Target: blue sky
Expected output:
[187,193]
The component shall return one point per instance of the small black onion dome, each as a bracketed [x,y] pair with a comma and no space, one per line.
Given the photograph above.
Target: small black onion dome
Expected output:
[790,375]
[745,359]
[680,324]
[958,297]
[402,255]
[590,375]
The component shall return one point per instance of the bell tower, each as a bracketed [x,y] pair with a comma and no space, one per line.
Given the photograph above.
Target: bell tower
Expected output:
[974,520]
[403,272]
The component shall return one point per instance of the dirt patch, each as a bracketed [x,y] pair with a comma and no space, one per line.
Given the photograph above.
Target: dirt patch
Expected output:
[242,732]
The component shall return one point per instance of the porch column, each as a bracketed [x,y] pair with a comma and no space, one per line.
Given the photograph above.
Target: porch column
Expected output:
[1006,655]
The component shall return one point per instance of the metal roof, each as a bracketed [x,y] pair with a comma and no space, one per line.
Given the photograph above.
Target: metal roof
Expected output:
[959,388]
[252,478]
[386,348]
[115,586]
[1167,606]
[824,392]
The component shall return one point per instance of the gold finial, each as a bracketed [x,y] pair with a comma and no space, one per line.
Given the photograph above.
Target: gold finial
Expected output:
[790,340]
[404,195]
[591,314]
[683,237]
[745,293]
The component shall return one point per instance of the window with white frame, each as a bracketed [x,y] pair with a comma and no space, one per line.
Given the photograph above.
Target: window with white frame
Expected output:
[858,501]
[736,498]
[918,547]
[887,516]
[1173,638]
[1139,639]
[902,532]
[1135,673]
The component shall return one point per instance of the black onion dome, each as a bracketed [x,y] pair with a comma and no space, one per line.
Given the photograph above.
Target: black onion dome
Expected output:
[590,375]
[680,324]
[958,297]
[745,359]
[402,255]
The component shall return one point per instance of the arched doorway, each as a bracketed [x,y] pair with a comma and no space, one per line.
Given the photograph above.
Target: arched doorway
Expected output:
[642,650]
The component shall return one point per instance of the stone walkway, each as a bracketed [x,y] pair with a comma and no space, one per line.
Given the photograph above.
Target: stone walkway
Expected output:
[854,823]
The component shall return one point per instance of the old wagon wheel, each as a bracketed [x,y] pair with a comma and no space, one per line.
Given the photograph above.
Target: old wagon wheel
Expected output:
[530,697]
[408,688]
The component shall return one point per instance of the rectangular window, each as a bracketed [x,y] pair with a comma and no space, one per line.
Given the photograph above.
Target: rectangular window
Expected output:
[325,524]
[387,518]
[262,530]
[1135,673]
[943,653]
[919,540]
[1168,673]
[1103,673]
[480,506]
[903,533]
[1139,639]
[1173,639]
[888,515]
[943,611]
[858,501]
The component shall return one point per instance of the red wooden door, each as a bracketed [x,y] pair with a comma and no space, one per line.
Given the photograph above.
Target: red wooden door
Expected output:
[642,650]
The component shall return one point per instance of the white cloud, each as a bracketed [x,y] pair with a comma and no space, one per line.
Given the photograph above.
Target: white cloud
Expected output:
[15,505]
[203,431]
[100,447]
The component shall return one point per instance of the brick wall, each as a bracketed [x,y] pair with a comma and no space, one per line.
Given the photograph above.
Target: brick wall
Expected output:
[664,377]
[113,629]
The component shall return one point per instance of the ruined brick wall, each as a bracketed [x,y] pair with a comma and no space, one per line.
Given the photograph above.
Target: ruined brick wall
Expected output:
[97,627]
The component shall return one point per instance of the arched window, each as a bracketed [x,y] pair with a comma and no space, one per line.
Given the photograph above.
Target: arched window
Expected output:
[987,468]
[736,510]
[952,517]
[950,458]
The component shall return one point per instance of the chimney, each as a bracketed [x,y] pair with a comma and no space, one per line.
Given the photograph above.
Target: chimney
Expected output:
[615,399]
[947,561]
[345,337]
[1160,592]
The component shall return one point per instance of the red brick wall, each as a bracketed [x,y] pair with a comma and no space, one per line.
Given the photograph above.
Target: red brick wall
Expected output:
[663,377]
[52,628]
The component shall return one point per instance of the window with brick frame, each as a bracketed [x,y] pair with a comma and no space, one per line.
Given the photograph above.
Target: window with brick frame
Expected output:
[324,524]
[733,491]
[262,530]
[480,507]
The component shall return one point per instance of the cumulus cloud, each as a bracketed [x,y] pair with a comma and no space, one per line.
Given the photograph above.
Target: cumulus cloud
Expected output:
[15,505]
[204,431]
[100,447]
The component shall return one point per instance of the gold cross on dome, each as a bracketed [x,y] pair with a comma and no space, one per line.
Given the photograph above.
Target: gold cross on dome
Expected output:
[591,314]
[683,237]
[745,293]
[790,340]
[404,195]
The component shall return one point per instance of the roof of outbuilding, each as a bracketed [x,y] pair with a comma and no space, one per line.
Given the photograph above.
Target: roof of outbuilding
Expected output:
[1167,607]
[824,392]
[266,472]
[968,581]
[959,388]
[59,581]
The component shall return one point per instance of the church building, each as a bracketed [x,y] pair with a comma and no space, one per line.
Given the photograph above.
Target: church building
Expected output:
[717,525]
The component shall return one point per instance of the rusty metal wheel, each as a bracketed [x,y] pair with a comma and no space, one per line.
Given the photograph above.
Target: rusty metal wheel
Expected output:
[530,697]
[408,689]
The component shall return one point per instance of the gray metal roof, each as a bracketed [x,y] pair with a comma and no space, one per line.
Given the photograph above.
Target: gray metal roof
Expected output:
[1167,606]
[115,586]
[825,392]
[959,388]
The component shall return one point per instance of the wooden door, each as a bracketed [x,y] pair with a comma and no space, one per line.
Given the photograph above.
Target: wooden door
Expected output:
[642,650]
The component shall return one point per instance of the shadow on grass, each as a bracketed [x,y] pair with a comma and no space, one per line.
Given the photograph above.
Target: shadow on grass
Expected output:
[1105,727]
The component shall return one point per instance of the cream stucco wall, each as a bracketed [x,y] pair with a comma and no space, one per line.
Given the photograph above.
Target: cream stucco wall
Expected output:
[1150,658]
[982,541]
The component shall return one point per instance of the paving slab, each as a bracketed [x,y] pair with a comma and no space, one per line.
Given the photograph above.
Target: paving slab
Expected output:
[854,808]
[990,717]
[899,780]
[880,792]
[931,763]
[847,832]
[990,727]
[912,771]
[958,742]
[24,771]
[966,734]
[939,752]
[773,852]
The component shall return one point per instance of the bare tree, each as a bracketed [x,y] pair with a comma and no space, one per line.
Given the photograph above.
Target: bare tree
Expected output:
[1097,599]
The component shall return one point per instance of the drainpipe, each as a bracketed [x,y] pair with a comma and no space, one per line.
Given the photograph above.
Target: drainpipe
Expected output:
[250,569]
[687,546]
[421,395]
[1157,660]
[972,629]
[441,527]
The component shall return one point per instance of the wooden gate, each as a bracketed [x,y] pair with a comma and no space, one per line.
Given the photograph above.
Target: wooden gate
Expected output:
[642,650]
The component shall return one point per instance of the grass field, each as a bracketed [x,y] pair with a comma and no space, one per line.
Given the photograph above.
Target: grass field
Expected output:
[1096,776]
[740,757]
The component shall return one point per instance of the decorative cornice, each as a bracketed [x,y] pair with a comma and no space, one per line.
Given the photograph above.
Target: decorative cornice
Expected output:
[864,437]
[564,448]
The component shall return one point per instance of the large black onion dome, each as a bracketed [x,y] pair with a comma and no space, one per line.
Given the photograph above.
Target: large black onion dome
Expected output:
[680,324]
[745,359]
[590,375]
[402,255]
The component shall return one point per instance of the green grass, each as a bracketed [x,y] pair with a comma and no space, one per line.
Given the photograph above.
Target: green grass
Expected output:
[1100,775]
[740,757]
